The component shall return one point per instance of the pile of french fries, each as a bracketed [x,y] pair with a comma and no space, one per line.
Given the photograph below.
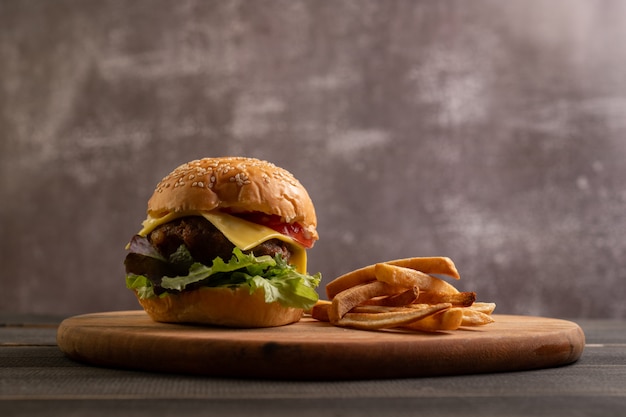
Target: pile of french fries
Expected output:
[402,294]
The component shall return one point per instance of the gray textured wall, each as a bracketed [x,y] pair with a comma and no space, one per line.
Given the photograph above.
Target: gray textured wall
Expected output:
[492,132]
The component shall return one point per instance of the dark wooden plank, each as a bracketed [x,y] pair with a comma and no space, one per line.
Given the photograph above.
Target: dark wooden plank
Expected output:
[497,406]
[45,373]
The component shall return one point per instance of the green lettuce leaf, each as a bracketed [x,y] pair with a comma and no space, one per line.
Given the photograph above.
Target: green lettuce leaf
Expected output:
[141,284]
[280,281]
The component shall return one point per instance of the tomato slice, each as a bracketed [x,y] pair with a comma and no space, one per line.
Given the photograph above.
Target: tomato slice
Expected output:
[293,230]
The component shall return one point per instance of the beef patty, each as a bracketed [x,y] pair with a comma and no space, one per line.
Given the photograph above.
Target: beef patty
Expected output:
[205,242]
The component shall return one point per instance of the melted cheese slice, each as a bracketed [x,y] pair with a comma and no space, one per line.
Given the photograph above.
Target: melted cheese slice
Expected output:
[242,233]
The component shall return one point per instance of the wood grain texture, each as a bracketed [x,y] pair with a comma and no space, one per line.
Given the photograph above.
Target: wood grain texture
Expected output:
[314,350]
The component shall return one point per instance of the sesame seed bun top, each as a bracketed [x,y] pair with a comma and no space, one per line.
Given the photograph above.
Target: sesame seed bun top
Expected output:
[238,184]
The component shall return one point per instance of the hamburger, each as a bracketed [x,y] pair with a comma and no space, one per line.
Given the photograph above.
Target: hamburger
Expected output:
[224,243]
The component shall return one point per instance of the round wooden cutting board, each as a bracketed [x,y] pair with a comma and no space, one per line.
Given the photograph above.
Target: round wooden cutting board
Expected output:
[315,350]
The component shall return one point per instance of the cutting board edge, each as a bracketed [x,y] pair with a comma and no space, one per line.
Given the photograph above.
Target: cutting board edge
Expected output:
[569,351]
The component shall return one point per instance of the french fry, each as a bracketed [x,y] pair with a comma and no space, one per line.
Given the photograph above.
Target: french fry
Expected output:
[428,265]
[350,280]
[352,297]
[368,308]
[401,277]
[439,265]
[460,299]
[320,310]
[449,319]
[486,308]
[402,294]
[406,297]
[473,317]
[376,321]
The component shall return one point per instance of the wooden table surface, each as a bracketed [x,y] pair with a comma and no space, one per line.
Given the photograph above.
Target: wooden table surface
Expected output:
[37,379]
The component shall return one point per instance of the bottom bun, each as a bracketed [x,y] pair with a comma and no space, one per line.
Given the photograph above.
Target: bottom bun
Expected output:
[220,307]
